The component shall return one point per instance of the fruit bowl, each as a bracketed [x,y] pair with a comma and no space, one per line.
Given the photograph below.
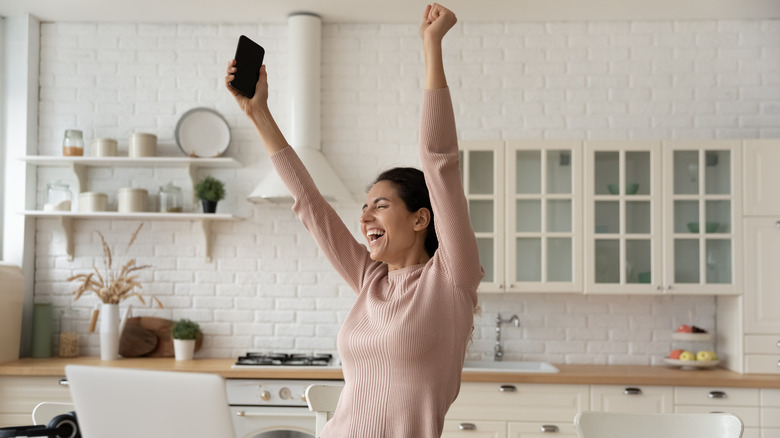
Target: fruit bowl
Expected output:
[691,364]
[631,188]
[691,337]
[711,227]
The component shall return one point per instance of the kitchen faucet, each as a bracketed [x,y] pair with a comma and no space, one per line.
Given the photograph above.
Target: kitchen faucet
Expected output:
[498,352]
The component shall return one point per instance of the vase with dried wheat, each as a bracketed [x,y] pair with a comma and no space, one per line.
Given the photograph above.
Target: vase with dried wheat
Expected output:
[112,287]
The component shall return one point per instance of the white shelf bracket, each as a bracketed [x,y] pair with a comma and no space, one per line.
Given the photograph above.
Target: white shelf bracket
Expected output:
[205,227]
[67,229]
[80,171]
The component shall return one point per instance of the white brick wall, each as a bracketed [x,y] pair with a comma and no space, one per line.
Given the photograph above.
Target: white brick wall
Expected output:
[269,287]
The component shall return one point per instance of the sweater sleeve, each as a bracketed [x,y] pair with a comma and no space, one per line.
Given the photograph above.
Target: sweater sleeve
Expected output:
[345,254]
[440,161]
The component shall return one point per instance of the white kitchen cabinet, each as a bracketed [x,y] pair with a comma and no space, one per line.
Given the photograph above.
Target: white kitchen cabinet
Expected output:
[474,429]
[770,413]
[633,399]
[644,202]
[527,224]
[742,402]
[541,430]
[762,178]
[20,394]
[79,166]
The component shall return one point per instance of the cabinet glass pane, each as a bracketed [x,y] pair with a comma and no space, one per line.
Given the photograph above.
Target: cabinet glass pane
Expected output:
[529,216]
[638,217]
[717,176]
[607,261]
[606,171]
[638,173]
[718,214]
[686,172]
[686,216]
[559,259]
[485,247]
[481,172]
[686,261]
[529,172]
[638,257]
[607,218]
[718,261]
[559,170]
[559,215]
[481,213]
[529,260]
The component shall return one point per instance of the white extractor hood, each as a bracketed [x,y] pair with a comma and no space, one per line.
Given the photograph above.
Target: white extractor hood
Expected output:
[304,50]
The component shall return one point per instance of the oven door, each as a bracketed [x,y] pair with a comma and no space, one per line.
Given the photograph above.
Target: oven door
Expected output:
[272,422]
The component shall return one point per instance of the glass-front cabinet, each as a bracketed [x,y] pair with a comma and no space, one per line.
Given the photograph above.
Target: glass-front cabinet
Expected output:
[623,228]
[543,211]
[702,216]
[482,170]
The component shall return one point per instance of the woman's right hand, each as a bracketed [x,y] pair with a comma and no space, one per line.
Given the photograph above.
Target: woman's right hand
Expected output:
[259,102]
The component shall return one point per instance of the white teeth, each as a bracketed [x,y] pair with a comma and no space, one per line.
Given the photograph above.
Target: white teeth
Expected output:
[374,234]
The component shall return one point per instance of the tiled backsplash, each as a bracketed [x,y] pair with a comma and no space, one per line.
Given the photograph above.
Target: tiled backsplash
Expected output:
[269,288]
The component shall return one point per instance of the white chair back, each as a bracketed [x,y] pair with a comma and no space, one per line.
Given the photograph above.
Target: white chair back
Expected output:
[322,400]
[45,411]
[625,425]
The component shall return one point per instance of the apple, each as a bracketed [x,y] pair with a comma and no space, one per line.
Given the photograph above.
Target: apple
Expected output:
[675,354]
[687,355]
[684,329]
[706,355]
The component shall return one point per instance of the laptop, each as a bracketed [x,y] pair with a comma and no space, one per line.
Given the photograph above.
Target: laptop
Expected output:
[130,403]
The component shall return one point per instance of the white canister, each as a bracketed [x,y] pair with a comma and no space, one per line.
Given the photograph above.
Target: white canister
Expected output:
[93,201]
[104,147]
[142,145]
[131,200]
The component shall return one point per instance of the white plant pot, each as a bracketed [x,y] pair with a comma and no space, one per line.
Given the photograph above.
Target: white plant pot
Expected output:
[109,332]
[183,349]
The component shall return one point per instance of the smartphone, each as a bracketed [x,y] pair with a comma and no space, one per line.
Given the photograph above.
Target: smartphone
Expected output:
[249,59]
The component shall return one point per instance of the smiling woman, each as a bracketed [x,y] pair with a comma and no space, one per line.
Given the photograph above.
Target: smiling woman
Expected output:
[403,343]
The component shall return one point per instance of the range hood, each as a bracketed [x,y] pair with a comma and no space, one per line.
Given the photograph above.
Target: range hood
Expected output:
[305,53]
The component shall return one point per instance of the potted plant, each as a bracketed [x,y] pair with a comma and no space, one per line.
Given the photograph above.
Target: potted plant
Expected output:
[184,332]
[210,191]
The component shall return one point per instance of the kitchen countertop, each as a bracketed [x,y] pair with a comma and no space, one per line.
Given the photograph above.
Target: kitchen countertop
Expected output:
[569,374]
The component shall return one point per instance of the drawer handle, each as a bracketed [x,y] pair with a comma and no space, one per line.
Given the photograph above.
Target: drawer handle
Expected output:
[717,394]
[64,382]
[507,388]
[777,224]
[467,426]
[549,428]
[632,391]
[778,344]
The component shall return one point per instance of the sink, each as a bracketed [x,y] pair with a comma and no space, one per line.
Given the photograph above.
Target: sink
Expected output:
[509,367]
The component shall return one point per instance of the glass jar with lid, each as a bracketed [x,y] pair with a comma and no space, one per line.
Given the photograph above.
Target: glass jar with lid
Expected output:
[73,144]
[58,196]
[171,199]
[69,337]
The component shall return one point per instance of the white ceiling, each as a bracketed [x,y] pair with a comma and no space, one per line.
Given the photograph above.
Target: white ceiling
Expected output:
[385,11]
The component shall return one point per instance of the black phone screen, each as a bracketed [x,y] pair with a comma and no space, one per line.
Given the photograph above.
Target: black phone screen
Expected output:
[249,59]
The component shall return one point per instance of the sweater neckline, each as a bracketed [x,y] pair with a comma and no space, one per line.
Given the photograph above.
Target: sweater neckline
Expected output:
[404,271]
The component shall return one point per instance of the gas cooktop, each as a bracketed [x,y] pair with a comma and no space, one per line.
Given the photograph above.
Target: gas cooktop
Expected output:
[284,359]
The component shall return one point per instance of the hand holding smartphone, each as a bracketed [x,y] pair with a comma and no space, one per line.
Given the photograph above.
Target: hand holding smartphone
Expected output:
[249,59]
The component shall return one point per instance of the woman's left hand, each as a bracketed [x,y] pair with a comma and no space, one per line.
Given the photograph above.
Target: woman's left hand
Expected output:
[437,21]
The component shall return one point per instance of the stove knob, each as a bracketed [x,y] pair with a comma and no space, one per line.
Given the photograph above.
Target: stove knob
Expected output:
[303,397]
[265,395]
[285,393]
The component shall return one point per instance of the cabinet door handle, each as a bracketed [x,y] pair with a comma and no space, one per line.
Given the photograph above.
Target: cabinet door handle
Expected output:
[632,391]
[778,363]
[717,394]
[64,382]
[659,287]
[777,224]
[467,426]
[778,344]
[549,428]
[507,388]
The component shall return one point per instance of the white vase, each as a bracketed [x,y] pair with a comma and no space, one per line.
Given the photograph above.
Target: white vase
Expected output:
[109,332]
[183,349]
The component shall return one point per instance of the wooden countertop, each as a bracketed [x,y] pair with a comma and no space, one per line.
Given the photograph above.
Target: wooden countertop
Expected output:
[569,374]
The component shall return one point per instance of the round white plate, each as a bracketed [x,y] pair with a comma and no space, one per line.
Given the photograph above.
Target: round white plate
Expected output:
[692,337]
[691,364]
[202,133]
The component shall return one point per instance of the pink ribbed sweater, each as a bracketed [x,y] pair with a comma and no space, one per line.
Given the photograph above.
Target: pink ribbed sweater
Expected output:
[403,343]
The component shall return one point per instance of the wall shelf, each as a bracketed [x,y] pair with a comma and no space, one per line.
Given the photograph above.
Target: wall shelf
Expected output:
[67,217]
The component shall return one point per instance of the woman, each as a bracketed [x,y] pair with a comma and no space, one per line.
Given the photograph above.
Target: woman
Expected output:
[403,343]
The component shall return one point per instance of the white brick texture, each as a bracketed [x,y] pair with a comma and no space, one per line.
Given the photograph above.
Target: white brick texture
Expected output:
[269,287]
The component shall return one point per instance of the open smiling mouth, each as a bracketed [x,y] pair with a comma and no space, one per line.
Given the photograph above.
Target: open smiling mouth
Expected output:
[374,235]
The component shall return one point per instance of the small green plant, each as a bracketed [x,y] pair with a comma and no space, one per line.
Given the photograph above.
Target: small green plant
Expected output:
[210,189]
[185,329]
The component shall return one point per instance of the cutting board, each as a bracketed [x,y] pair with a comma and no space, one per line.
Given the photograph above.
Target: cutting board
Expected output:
[138,333]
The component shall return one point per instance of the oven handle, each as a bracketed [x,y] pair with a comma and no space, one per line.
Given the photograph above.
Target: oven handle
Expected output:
[249,414]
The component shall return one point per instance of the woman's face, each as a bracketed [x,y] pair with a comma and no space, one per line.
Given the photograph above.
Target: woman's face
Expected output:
[391,230]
